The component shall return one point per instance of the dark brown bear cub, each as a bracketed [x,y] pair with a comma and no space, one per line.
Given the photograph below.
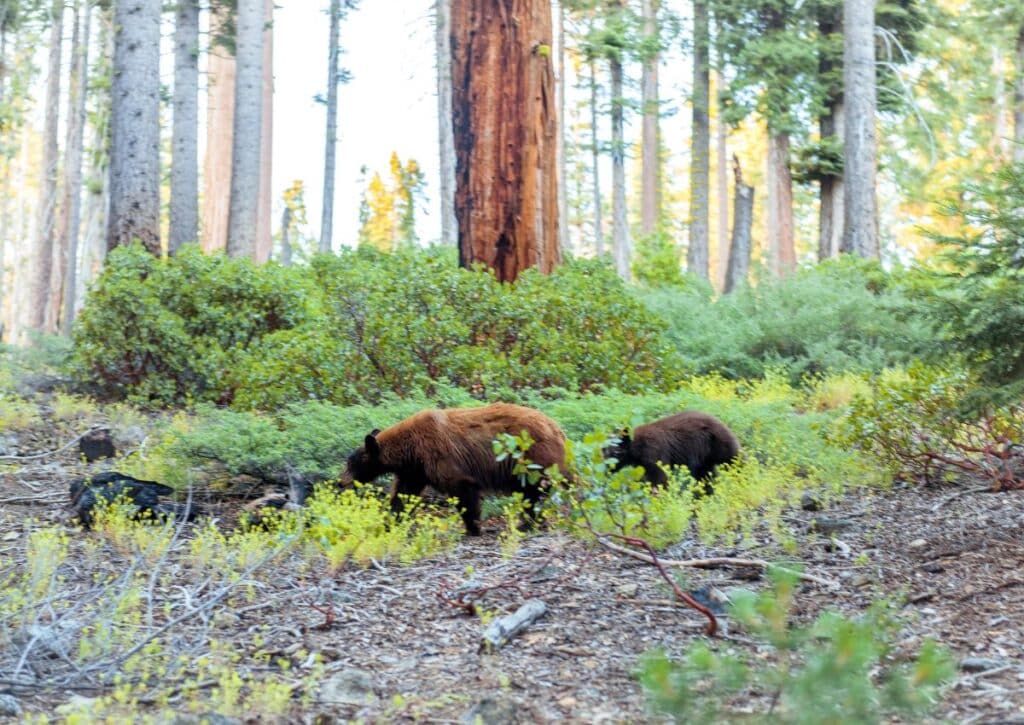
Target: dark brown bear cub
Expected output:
[696,440]
[452,451]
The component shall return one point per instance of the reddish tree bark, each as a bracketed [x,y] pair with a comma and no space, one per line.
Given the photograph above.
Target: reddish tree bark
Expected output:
[504,119]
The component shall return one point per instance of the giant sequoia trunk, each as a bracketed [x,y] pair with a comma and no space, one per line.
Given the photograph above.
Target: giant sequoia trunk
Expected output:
[184,209]
[246,143]
[135,126]
[700,165]
[649,192]
[860,235]
[505,131]
[44,240]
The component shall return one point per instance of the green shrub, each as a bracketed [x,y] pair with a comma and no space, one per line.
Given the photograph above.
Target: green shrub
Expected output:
[360,327]
[833,670]
[170,330]
[843,315]
[912,424]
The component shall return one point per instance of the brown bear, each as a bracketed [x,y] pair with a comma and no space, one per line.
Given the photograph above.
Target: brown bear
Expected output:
[693,439]
[452,451]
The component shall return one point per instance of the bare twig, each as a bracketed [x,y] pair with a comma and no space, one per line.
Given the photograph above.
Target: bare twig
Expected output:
[712,563]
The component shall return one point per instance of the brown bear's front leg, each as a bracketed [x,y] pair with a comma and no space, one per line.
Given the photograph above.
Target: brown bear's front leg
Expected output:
[468,495]
[404,487]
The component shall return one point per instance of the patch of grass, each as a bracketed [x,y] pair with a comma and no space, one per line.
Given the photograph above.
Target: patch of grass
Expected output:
[17,413]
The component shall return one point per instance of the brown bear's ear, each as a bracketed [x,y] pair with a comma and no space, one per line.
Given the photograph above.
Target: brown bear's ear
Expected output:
[372,446]
[374,432]
[624,437]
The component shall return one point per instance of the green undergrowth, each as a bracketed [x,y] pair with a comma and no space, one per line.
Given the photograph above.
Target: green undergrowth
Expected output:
[835,669]
[782,430]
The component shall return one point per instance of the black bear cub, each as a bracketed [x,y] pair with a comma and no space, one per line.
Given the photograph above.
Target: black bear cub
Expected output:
[693,439]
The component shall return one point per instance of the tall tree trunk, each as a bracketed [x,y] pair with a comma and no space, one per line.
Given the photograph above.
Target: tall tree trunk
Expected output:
[830,211]
[97,202]
[71,213]
[286,236]
[650,142]
[446,141]
[721,146]
[620,225]
[39,300]
[595,150]
[505,130]
[999,139]
[43,262]
[184,208]
[220,121]
[830,126]
[327,215]
[135,126]
[860,235]
[781,253]
[742,220]
[246,143]
[62,221]
[1018,100]
[563,177]
[265,197]
[700,172]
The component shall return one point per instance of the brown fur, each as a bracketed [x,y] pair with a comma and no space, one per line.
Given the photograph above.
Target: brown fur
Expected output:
[693,439]
[452,451]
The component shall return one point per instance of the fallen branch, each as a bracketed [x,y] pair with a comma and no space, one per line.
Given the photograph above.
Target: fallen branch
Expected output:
[710,563]
[503,629]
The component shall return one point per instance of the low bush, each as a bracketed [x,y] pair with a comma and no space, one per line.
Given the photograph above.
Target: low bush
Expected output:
[913,424]
[842,315]
[359,327]
[835,669]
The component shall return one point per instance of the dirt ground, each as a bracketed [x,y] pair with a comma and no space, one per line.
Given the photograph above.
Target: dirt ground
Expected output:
[395,651]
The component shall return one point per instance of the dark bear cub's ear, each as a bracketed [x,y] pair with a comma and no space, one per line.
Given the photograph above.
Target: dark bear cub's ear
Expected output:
[624,437]
[372,447]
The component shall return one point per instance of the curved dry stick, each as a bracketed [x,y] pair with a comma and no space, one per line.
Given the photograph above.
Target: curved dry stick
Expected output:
[710,563]
[652,558]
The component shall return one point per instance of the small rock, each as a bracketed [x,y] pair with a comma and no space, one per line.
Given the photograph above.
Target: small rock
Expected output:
[917,544]
[12,536]
[628,590]
[979,664]
[9,707]
[824,525]
[9,445]
[493,711]
[204,718]
[862,580]
[810,502]
[350,687]
[933,567]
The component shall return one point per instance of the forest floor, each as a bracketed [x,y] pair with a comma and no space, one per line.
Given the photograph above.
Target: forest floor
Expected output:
[395,651]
